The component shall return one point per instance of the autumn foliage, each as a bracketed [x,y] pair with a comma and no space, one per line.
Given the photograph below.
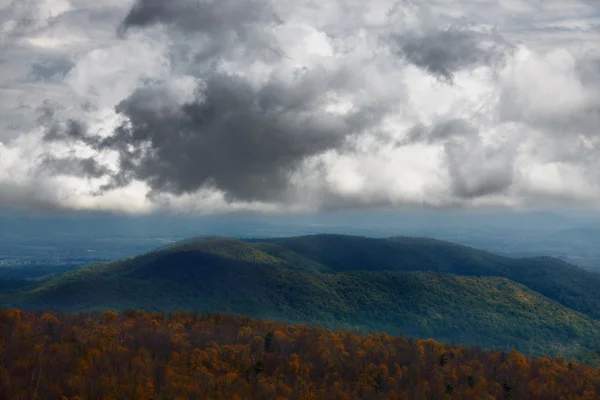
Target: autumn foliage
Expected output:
[139,355]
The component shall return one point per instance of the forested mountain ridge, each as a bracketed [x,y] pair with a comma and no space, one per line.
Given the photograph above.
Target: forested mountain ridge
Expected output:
[567,284]
[400,285]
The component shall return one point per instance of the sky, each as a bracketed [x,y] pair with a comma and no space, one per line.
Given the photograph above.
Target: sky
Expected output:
[283,106]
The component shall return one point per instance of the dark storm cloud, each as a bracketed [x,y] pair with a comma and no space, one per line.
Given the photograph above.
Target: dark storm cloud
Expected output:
[73,166]
[199,15]
[241,138]
[243,141]
[443,53]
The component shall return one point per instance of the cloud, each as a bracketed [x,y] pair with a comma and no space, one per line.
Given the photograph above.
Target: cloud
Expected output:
[295,105]
[86,167]
[241,141]
[199,16]
[477,170]
[443,52]
[50,69]
[439,132]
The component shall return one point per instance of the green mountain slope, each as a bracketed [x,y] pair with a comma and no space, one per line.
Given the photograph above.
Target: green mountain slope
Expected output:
[282,280]
[571,286]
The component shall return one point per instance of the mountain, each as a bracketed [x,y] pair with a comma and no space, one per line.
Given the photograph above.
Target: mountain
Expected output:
[569,285]
[418,287]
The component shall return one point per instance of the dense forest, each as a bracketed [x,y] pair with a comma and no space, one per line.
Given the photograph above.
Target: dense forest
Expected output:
[183,355]
[413,287]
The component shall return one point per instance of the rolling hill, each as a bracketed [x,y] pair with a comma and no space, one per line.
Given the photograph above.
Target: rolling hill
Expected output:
[569,285]
[417,287]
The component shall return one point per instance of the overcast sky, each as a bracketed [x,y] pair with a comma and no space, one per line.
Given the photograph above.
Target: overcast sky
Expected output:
[296,105]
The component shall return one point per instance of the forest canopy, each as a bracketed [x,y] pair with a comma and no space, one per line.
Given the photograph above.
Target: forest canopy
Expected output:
[184,355]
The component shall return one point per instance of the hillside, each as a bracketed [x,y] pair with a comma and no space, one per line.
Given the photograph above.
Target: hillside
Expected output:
[282,280]
[569,285]
[137,355]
